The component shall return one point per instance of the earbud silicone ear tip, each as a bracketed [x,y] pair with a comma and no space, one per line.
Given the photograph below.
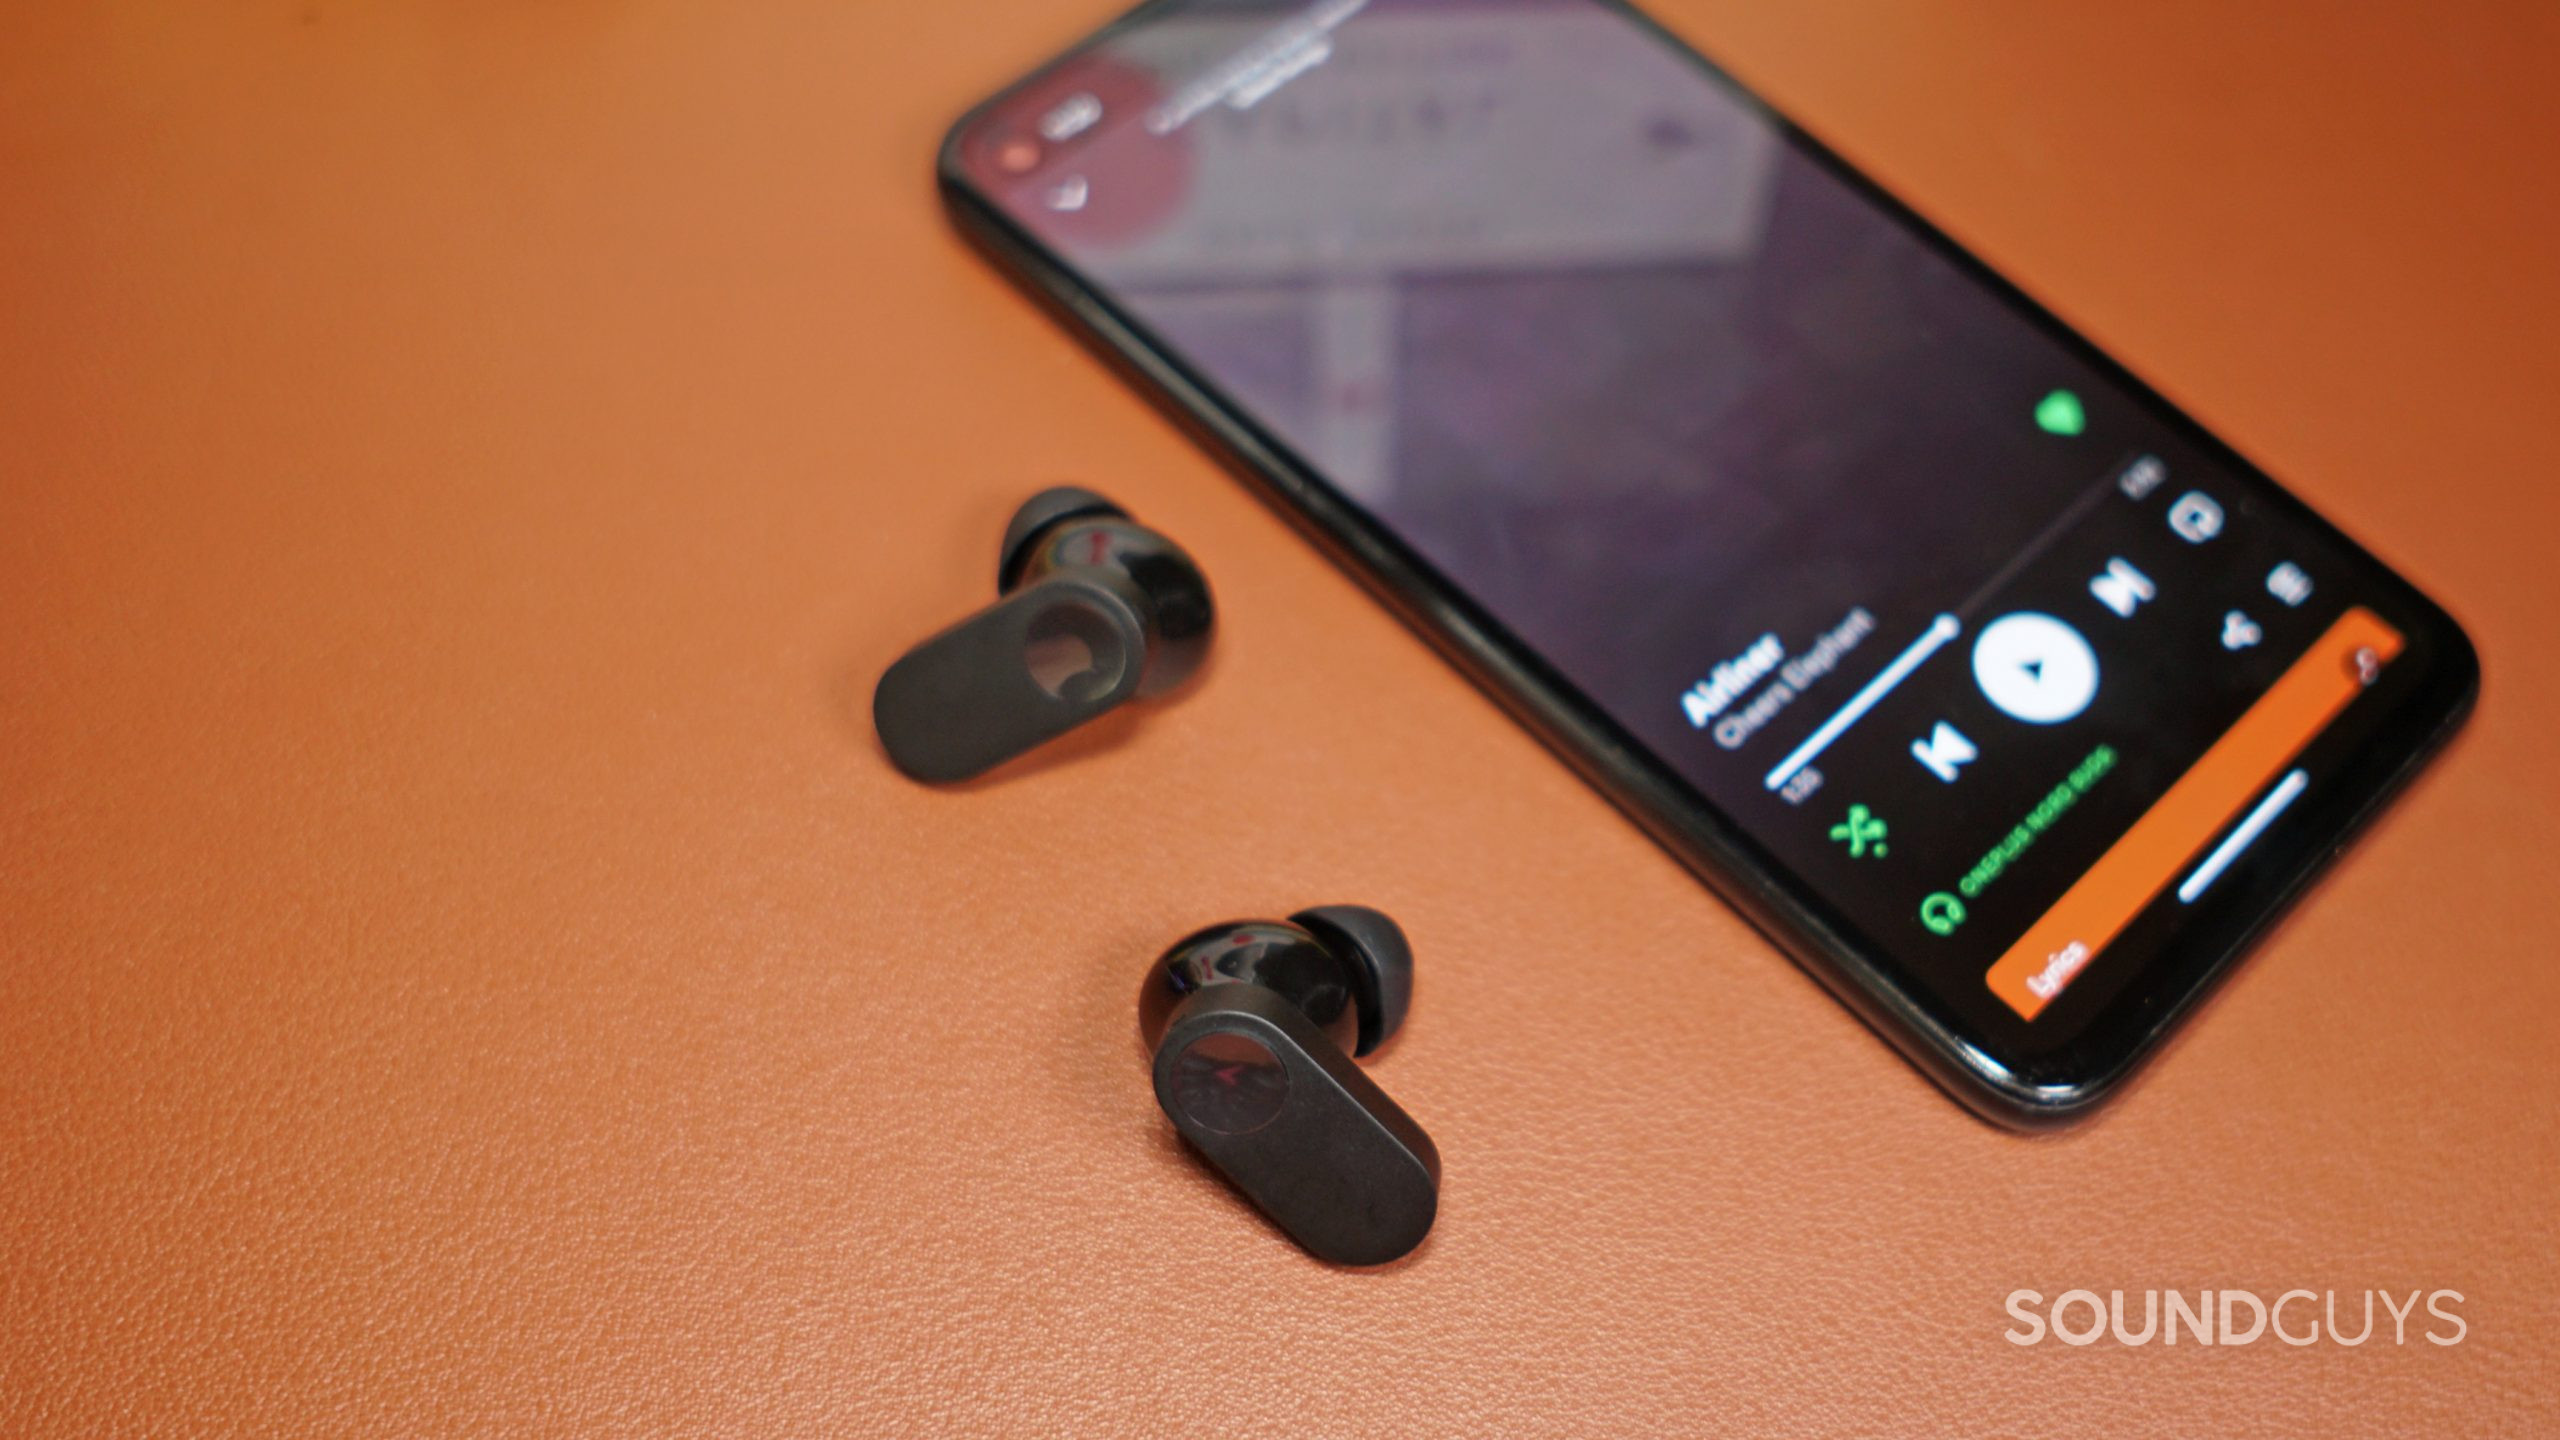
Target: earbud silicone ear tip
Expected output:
[1384,960]
[1038,514]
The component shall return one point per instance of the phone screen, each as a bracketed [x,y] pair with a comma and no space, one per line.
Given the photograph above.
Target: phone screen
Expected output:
[2010,670]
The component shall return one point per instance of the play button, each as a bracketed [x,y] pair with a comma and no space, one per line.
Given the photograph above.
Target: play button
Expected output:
[2035,668]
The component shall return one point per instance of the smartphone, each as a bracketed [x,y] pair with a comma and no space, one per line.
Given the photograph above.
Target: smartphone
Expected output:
[1990,686]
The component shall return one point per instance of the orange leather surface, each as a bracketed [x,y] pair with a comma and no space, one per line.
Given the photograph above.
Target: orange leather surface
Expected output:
[466,967]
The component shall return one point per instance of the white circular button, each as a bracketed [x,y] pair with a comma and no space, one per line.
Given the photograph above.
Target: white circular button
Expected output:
[2035,668]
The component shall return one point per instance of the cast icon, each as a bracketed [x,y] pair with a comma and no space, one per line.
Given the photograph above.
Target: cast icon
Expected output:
[2196,517]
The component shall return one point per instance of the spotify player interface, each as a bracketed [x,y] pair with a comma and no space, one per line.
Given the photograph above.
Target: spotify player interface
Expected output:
[1975,639]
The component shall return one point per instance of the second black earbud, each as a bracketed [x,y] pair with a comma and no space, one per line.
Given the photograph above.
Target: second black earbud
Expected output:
[1097,610]
[1253,1025]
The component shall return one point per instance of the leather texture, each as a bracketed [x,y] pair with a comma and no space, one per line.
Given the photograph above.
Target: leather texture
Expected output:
[467,968]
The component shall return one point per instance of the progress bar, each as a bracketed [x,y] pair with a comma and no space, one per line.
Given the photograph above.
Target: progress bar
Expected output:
[1940,631]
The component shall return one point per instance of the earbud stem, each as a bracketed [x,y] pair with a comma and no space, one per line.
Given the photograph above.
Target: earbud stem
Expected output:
[1339,1165]
[967,700]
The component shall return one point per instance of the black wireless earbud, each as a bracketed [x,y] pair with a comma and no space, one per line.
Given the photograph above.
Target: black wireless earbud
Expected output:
[1096,610]
[1253,1025]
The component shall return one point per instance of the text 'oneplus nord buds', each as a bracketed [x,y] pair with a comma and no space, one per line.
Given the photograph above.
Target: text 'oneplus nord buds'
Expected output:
[1096,610]
[1253,1025]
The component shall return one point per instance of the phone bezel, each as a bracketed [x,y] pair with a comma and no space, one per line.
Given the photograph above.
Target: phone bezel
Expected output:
[2112,1043]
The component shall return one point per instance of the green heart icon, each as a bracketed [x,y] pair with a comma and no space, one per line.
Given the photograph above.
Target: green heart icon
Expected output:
[2059,414]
